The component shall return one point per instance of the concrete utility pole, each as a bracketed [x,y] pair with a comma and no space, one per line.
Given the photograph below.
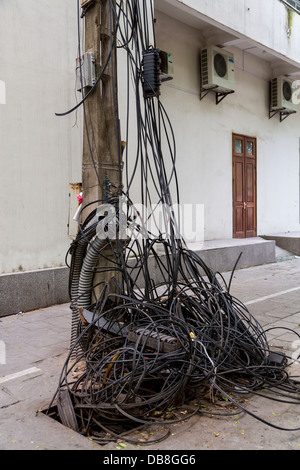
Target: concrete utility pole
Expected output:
[101,140]
[102,133]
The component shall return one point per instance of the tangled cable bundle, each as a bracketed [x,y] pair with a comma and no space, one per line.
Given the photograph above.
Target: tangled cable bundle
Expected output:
[169,333]
[138,358]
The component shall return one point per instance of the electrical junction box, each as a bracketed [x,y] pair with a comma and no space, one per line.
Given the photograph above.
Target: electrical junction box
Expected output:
[74,205]
[217,70]
[85,71]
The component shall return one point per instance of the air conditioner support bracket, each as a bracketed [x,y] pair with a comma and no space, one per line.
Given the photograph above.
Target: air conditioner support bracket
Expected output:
[219,95]
[283,114]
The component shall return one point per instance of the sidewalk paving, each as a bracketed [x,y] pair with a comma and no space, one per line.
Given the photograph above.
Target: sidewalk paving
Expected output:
[37,344]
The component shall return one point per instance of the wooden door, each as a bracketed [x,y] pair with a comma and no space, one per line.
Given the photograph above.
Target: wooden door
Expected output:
[244,186]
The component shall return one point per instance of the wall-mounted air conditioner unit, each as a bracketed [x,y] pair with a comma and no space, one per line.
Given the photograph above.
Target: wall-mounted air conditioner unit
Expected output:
[282,89]
[166,66]
[217,70]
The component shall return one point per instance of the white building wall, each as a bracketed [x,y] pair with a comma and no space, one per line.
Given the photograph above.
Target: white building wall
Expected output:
[40,153]
[266,22]
[204,136]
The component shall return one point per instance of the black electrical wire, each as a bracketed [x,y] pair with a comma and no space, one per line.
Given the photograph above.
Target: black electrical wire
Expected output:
[158,340]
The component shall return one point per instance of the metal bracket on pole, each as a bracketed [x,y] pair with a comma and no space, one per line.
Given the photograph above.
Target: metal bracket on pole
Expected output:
[85,5]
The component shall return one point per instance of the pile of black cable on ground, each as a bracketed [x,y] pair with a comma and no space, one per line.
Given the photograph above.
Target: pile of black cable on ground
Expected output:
[170,333]
[140,357]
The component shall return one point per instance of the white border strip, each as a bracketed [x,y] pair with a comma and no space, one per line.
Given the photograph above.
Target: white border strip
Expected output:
[261,299]
[2,92]
[7,378]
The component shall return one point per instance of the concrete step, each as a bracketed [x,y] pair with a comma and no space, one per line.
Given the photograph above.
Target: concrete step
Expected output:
[31,290]
[289,241]
[222,255]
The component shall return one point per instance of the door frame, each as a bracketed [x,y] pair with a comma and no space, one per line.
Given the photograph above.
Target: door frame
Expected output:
[243,158]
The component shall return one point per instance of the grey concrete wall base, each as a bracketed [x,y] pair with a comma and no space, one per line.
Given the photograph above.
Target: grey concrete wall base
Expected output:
[222,255]
[287,241]
[30,290]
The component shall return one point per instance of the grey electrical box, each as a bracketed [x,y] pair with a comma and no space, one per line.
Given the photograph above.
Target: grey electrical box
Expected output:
[85,71]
